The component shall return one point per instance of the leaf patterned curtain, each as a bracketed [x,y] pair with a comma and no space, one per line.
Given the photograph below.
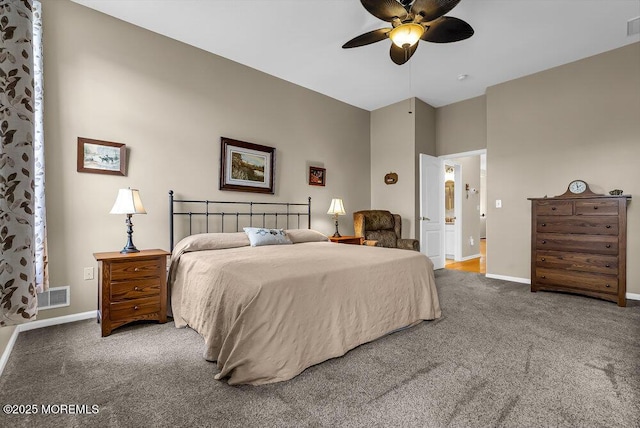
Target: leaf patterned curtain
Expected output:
[21,170]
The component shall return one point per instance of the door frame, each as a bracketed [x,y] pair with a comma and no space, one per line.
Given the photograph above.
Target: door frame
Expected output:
[458,196]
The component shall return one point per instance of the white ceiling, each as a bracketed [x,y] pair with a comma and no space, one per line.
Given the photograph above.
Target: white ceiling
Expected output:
[300,41]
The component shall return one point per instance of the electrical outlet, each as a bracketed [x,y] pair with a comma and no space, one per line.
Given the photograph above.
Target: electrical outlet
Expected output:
[498,203]
[88,273]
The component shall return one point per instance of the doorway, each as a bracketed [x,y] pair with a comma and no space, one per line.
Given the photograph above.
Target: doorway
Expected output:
[465,211]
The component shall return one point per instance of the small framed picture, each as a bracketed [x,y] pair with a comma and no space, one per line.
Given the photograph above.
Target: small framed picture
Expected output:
[247,167]
[101,157]
[317,176]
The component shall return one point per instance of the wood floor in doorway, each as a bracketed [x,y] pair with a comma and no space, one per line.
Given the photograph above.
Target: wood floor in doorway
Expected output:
[478,265]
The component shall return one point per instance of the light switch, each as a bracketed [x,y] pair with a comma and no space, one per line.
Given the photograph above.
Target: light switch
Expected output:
[498,203]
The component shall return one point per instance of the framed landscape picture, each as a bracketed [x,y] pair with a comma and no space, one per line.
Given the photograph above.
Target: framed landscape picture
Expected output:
[247,167]
[101,157]
[317,176]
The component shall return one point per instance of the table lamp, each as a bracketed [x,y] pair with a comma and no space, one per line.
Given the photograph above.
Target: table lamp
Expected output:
[336,208]
[128,202]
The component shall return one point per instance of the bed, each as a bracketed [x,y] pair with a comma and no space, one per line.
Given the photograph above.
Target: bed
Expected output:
[266,313]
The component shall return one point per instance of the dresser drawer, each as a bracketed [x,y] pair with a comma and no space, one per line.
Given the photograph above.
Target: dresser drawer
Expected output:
[604,225]
[577,280]
[577,262]
[554,207]
[596,207]
[132,309]
[597,244]
[135,289]
[133,269]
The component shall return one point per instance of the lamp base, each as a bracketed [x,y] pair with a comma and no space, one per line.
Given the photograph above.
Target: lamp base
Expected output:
[336,235]
[129,247]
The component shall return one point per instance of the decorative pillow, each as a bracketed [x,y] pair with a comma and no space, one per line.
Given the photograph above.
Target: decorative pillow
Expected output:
[298,236]
[259,236]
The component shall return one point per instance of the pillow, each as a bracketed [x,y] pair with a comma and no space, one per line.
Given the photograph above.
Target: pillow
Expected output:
[259,236]
[298,236]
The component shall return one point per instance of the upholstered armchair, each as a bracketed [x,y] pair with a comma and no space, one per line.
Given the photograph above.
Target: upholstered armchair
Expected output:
[383,227]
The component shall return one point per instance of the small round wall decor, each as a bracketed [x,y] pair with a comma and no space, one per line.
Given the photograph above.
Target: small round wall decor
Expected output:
[391,178]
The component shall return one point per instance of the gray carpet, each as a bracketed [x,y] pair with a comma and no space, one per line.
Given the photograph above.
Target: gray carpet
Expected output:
[499,356]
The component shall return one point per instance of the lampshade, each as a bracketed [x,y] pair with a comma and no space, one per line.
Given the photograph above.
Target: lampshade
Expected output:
[406,34]
[336,207]
[128,202]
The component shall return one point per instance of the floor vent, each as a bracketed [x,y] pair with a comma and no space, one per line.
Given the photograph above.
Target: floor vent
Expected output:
[633,26]
[56,297]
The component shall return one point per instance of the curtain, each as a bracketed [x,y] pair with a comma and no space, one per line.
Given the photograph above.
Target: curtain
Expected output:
[19,168]
[40,213]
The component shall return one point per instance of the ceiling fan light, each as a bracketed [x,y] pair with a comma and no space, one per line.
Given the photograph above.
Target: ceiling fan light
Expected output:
[406,34]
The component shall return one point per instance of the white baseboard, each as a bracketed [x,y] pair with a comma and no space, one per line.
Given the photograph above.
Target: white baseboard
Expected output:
[633,296]
[7,351]
[464,259]
[509,278]
[40,324]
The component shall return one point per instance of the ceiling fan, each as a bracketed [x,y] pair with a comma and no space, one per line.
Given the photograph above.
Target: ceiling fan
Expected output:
[412,21]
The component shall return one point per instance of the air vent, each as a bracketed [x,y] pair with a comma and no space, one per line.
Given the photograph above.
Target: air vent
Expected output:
[633,26]
[56,297]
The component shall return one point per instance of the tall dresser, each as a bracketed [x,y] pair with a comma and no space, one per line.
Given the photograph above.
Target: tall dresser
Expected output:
[579,243]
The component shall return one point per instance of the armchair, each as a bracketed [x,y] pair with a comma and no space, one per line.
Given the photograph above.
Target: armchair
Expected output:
[383,227]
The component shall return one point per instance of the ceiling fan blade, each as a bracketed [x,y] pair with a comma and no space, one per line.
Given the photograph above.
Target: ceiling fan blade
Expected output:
[401,55]
[367,38]
[432,9]
[447,29]
[386,10]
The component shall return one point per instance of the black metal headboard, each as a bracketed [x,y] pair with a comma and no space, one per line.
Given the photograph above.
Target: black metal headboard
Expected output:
[209,209]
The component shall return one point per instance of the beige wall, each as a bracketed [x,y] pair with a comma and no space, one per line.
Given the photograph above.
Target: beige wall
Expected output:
[393,150]
[170,103]
[470,167]
[399,133]
[461,127]
[425,143]
[580,120]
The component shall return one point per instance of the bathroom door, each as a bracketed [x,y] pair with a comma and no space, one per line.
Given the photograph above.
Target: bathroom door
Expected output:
[432,209]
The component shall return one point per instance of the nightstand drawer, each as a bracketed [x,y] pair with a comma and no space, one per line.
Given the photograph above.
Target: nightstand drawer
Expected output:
[132,309]
[135,289]
[133,269]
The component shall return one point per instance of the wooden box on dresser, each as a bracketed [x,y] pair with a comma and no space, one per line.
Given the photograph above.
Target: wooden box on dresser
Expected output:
[131,287]
[579,245]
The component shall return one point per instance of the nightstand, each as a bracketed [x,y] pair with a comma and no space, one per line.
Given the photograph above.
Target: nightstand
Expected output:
[131,287]
[355,240]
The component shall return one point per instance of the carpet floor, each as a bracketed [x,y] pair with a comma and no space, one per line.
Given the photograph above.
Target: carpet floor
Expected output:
[499,356]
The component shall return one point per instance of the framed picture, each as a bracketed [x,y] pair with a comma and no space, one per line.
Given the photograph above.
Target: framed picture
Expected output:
[317,176]
[101,157]
[247,167]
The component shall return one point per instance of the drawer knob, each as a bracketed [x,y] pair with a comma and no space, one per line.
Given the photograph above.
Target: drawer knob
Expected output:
[136,270]
[607,285]
[136,288]
[608,226]
[543,259]
[544,224]
[595,207]
[543,277]
[135,308]
[544,242]
[608,245]
[607,265]
[553,208]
